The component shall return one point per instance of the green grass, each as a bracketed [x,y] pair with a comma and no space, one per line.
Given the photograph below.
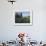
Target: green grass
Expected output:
[25,19]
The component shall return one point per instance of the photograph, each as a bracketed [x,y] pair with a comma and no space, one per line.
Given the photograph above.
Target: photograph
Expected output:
[23,17]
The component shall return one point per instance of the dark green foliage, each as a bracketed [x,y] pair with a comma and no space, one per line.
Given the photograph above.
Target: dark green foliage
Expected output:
[18,20]
[26,19]
[18,15]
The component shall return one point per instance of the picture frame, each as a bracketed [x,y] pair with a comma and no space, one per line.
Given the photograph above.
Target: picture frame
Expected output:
[23,18]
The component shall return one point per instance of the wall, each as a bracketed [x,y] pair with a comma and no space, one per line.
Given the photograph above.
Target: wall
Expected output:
[9,31]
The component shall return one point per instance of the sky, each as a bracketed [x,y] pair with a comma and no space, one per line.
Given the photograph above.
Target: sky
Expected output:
[26,13]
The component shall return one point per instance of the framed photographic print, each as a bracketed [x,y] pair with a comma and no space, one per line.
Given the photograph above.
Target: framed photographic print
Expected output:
[23,17]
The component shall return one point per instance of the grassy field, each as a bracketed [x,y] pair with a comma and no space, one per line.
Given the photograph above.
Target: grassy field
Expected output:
[22,19]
